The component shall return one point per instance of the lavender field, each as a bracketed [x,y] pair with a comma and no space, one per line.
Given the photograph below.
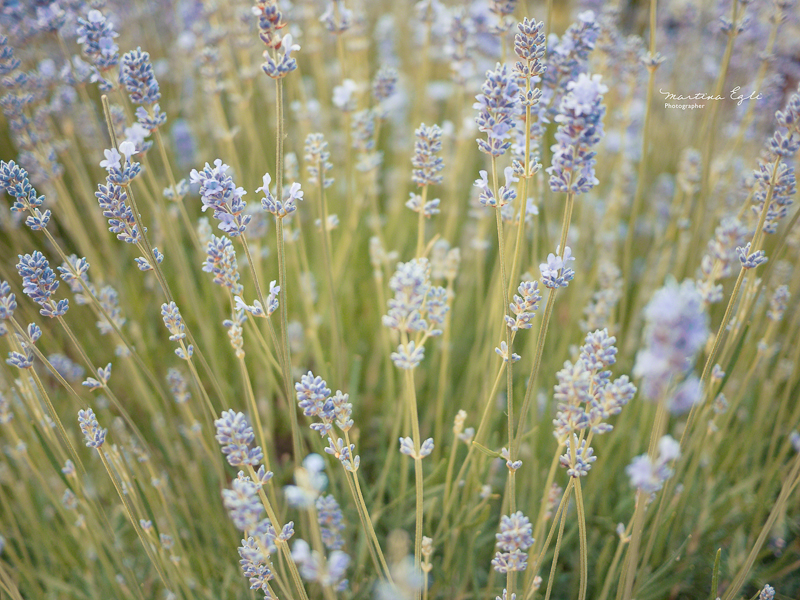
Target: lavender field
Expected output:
[373,299]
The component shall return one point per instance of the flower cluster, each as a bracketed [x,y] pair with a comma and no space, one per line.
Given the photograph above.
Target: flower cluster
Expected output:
[568,57]
[556,272]
[649,474]
[515,537]
[317,159]
[497,107]
[113,201]
[524,306]
[506,193]
[103,375]
[221,262]
[750,260]
[676,329]
[407,447]
[720,257]
[96,34]
[580,128]
[14,181]
[585,394]
[417,308]
[310,480]
[136,74]
[579,463]
[783,192]
[24,359]
[39,283]
[277,207]
[331,522]
[219,193]
[174,324]
[235,435]
[285,63]
[314,398]
[256,309]
[329,573]
[93,435]
[425,161]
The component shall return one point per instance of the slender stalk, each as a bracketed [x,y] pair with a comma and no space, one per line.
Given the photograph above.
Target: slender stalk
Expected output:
[282,545]
[412,407]
[338,343]
[584,555]
[421,223]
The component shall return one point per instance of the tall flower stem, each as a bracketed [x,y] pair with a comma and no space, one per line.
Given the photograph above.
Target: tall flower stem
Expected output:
[509,341]
[412,407]
[421,223]
[523,204]
[338,344]
[287,357]
[723,326]
[134,521]
[537,363]
[627,257]
[151,257]
[282,545]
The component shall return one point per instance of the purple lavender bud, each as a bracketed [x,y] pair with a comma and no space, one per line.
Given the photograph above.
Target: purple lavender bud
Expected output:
[317,158]
[524,306]
[173,321]
[8,301]
[94,436]
[221,262]
[767,593]
[568,57]
[270,20]
[39,283]
[502,352]
[255,561]
[235,435]
[497,109]
[331,522]
[783,193]
[426,163]
[750,260]
[178,386]
[96,34]
[529,45]
[556,272]
[113,201]
[219,193]
[14,181]
[584,457]
[407,447]
[777,304]
[580,128]
[649,475]
[279,208]
[384,84]
[242,503]
[676,329]
[515,536]
[285,64]
[138,77]
[329,19]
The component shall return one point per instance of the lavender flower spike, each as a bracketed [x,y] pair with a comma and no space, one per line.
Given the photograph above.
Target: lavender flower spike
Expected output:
[580,128]
[219,192]
[93,434]
[498,105]
[39,283]
[235,435]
